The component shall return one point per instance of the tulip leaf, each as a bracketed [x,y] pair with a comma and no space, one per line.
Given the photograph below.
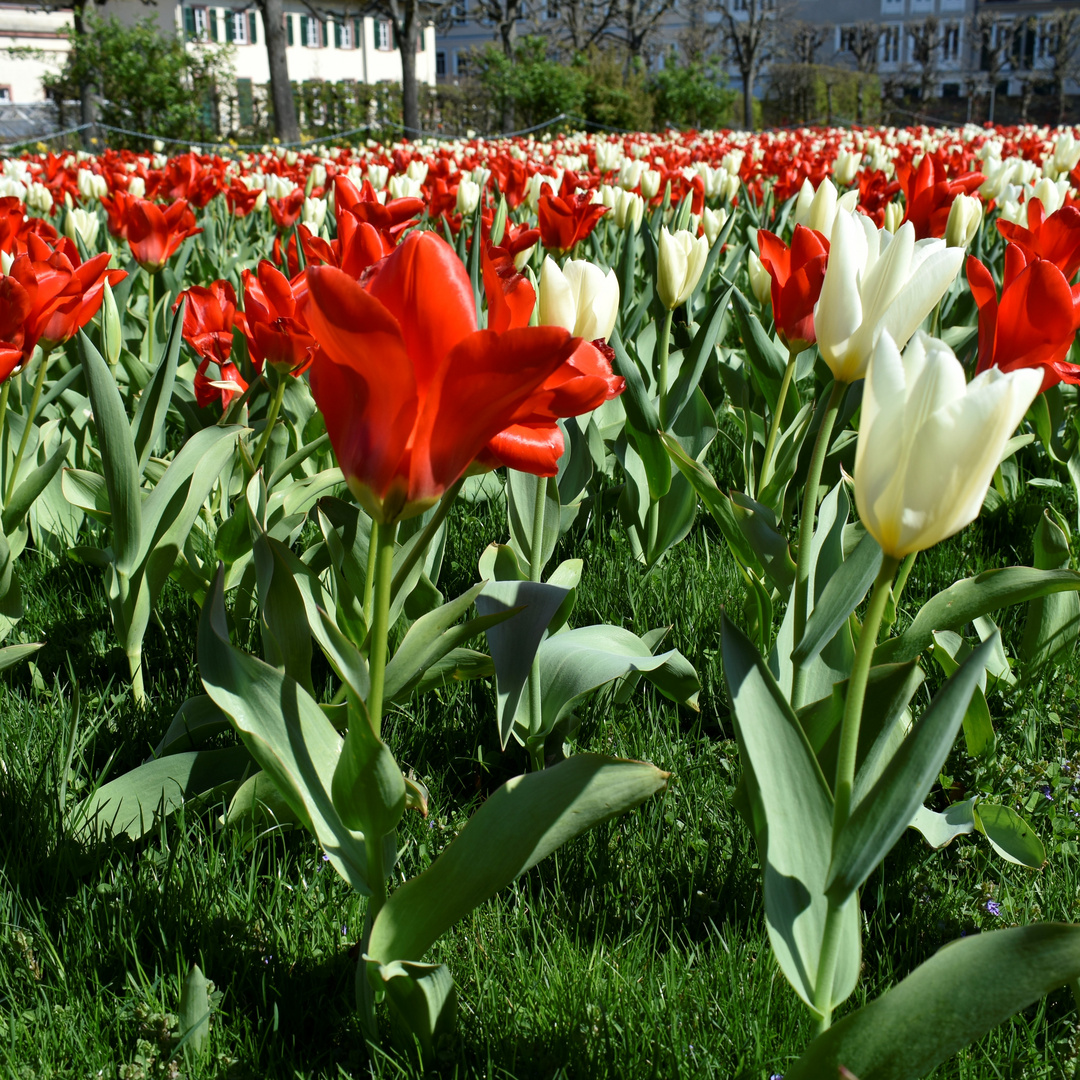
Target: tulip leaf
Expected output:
[118,460]
[286,732]
[513,641]
[88,491]
[842,594]
[938,830]
[423,996]
[789,794]
[197,720]
[27,491]
[963,991]
[284,624]
[950,650]
[194,1013]
[885,811]
[579,661]
[258,805]
[1053,622]
[521,495]
[700,352]
[522,822]
[964,601]
[135,802]
[761,529]
[767,362]
[431,638]
[1009,834]
[153,405]
[642,420]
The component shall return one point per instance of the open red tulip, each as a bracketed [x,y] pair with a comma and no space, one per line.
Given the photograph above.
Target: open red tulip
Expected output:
[797,273]
[410,390]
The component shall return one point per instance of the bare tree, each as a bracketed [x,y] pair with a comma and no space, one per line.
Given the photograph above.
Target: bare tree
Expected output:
[861,40]
[698,37]
[806,41]
[576,25]
[750,39]
[926,41]
[1063,30]
[636,23]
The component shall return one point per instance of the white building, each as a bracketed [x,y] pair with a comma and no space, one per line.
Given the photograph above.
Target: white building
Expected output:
[359,48]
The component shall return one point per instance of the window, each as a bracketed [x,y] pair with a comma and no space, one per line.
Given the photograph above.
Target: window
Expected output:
[460,12]
[382,35]
[950,43]
[739,5]
[440,63]
[199,24]
[5,93]
[461,62]
[311,32]
[551,10]
[922,7]
[892,7]
[236,27]
[890,45]
[343,35]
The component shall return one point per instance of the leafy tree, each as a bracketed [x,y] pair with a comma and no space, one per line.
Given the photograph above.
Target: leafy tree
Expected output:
[147,81]
[693,94]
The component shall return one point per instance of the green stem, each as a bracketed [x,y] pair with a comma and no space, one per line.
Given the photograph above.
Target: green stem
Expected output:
[806,532]
[369,581]
[380,621]
[150,320]
[778,413]
[376,876]
[135,666]
[898,589]
[845,777]
[536,567]
[271,420]
[430,529]
[3,417]
[39,382]
[663,344]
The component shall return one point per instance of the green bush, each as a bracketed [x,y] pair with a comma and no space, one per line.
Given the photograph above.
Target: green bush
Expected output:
[693,95]
[817,93]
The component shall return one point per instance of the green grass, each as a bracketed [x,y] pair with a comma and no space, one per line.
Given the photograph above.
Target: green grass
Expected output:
[639,950]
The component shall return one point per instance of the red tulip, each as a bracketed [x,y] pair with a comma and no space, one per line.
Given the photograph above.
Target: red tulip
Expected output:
[154,234]
[929,193]
[285,212]
[410,390]
[391,219]
[15,227]
[1034,322]
[224,388]
[275,334]
[14,308]
[566,222]
[797,273]
[1055,238]
[209,318]
[64,293]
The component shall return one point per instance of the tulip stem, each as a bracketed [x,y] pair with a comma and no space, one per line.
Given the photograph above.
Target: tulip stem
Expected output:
[806,532]
[150,320]
[39,382]
[376,877]
[384,536]
[845,777]
[662,345]
[430,529]
[3,417]
[774,427]
[271,420]
[536,569]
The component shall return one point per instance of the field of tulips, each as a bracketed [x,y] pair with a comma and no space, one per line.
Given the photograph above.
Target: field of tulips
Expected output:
[581,606]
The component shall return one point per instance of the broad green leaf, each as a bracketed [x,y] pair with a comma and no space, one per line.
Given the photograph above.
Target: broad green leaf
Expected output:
[841,595]
[767,363]
[287,734]
[521,823]
[286,635]
[135,802]
[761,529]
[790,793]
[31,487]
[194,1012]
[989,591]
[963,991]
[197,720]
[457,665]
[258,805]
[153,407]
[368,787]
[1053,622]
[88,491]
[514,641]
[938,830]
[521,493]
[422,995]
[950,650]
[878,821]
[430,638]
[1009,834]
[11,655]
[699,354]
[118,460]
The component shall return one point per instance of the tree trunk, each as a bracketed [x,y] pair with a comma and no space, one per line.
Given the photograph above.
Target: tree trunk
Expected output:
[748,100]
[281,95]
[410,91]
[508,36]
[87,88]
[858,99]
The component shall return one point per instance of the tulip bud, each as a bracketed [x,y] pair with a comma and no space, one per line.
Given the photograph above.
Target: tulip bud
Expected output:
[5,262]
[650,184]
[760,280]
[314,213]
[110,323]
[929,441]
[846,167]
[317,176]
[417,171]
[79,222]
[1051,194]
[965,217]
[629,210]
[713,222]
[468,196]
[39,198]
[580,298]
[377,176]
[681,261]
[894,215]
[630,174]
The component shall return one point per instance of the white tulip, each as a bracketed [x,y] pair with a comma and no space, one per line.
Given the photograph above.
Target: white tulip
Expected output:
[404,186]
[818,209]
[137,187]
[417,170]
[629,210]
[965,217]
[760,280]
[468,196]
[650,184]
[929,442]
[681,261]
[713,222]
[894,216]
[876,282]
[39,198]
[630,174]
[846,167]
[82,223]
[580,298]
[314,213]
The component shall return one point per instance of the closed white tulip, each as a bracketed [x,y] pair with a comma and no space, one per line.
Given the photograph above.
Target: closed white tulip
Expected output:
[580,298]
[965,217]
[682,259]
[929,441]
[818,209]
[876,282]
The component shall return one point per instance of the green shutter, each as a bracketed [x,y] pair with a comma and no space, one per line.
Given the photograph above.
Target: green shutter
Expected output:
[189,22]
[288,29]
[230,25]
[358,33]
[393,36]
[322,34]
[253,32]
[245,102]
[211,18]
[421,44]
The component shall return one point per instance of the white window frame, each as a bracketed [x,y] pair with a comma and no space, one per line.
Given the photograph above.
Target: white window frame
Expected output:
[240,27]
[383,37]
[202,23]
[345,33]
